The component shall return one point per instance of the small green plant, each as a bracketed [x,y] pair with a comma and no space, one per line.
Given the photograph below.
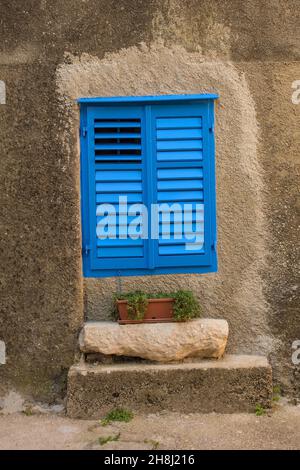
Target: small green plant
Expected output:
[276,393]
[103,440]
[137,302]
[186,306]
[259,410]
[119,414]
[154,444]
[28,411]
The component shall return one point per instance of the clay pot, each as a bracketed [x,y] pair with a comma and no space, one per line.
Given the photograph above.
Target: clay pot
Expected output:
[158,310]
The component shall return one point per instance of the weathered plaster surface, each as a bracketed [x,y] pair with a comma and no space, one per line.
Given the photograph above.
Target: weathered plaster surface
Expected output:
[247,50]
[236,291]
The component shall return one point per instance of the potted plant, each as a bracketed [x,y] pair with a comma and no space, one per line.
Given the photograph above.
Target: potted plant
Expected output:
[139,307]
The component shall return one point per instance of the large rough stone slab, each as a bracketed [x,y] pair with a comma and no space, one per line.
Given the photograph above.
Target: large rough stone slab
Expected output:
[163,342]
[232,384]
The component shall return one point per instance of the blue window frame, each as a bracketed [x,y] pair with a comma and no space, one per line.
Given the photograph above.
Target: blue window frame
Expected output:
[157,151]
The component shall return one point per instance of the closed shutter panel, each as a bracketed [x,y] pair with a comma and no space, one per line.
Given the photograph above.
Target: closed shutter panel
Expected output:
[181,159]
[116,167]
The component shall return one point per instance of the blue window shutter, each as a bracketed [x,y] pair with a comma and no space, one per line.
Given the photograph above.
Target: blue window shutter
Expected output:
[152,151]
[116,158]
[182,155]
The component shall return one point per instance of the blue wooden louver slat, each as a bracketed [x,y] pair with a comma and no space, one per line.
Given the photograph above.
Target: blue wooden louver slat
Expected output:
[151,151]
[116,147]
[178,123]
[179,134]
[117,135]
[178,145]
[115,124]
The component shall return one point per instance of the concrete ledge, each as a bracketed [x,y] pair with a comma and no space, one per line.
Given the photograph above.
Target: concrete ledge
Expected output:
[162,342]
[234,383]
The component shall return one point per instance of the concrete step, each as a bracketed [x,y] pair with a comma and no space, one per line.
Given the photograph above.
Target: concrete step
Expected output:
[234,383]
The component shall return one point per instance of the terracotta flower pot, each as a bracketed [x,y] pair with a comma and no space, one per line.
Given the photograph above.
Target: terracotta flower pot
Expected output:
[158,310]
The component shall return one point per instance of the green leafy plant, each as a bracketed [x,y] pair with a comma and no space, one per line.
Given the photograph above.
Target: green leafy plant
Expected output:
[259,410]
[186,306]
[276,393]
[119,414]
[137,302]
[105,439]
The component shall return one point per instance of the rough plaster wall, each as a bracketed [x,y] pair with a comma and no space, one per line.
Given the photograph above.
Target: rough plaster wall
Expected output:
[40,279]
[237,30]
[279,117]
[236,291]
[40,309]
